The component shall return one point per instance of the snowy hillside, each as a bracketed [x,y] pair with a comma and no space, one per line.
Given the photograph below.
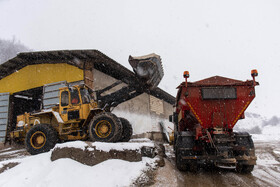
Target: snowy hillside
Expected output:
[10,48]
[261,127]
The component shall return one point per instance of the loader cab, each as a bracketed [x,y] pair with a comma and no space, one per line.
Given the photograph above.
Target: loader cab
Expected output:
[75,103]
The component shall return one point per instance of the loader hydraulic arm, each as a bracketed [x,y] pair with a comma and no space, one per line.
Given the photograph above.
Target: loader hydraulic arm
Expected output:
[148,73]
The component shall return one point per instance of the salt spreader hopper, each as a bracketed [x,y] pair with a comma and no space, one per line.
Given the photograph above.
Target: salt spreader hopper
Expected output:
[205,114]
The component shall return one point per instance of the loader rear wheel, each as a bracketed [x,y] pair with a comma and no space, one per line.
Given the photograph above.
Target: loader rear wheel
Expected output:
[127,130]
[40,138]
[105,127]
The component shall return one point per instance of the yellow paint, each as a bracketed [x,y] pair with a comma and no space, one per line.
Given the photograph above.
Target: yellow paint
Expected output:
[194,113]
[241,112]
[33,76]
[84,109]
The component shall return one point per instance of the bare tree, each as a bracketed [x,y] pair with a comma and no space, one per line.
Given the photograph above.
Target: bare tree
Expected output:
[10,48]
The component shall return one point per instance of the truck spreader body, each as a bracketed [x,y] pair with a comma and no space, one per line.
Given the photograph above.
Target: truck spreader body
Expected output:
[205,114]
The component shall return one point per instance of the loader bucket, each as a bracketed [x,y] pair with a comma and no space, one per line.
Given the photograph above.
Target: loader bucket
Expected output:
[148,68]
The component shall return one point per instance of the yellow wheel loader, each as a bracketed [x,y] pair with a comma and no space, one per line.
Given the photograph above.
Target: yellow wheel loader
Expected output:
[83,114]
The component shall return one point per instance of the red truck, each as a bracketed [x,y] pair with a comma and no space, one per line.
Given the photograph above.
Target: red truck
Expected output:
[205,114]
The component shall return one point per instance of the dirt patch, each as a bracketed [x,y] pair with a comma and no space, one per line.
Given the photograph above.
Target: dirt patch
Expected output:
[8,166]
[91,156]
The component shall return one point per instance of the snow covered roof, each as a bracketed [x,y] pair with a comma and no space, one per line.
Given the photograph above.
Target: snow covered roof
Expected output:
[82,59]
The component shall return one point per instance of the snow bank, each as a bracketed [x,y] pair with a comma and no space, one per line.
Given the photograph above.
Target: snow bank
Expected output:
[106,146]
[74,144]
[121,146]
[39,170]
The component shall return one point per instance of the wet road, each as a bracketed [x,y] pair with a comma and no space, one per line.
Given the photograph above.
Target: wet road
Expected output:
[265,173]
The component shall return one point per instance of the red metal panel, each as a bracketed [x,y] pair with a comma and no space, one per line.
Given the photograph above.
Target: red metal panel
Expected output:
[216,112]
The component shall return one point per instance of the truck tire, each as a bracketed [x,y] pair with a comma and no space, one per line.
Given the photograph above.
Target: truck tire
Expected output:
[242,168]
[184,145]
[181,164]
[105,127]
[127,130]
[40,138]
[244,139]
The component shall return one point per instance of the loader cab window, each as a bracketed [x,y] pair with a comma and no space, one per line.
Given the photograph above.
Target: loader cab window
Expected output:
[64,98]
[74,96]
[85,95]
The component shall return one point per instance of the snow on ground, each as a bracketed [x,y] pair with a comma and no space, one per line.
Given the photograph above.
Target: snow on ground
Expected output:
[74,144]
[266,137]
[108,146]
[39,170]
[149,123]
[120,146]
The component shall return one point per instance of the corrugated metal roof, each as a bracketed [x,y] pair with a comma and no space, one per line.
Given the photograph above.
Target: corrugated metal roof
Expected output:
[78,58]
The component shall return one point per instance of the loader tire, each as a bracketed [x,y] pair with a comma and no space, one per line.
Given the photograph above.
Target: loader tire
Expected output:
[127,130]
[105,127]
[40,138]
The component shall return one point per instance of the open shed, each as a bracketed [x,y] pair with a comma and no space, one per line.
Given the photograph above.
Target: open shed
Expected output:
[23,80]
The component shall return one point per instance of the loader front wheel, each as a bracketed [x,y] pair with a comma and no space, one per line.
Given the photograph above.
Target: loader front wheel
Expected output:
[127,130]
[40,138]
[105,127]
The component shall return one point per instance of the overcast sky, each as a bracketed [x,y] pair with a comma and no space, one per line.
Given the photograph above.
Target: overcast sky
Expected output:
[207,38]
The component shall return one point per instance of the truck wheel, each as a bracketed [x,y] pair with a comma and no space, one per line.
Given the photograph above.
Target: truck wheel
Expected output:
[247,168]
[40,138]
[105,127]
[245,140]
[242,168]
[180,162]
[184,145]
[127,130]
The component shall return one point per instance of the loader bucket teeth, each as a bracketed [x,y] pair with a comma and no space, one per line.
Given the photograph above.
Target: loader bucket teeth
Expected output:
[148,68]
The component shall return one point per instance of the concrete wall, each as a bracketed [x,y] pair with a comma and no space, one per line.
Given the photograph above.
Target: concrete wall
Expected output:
[144,111]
